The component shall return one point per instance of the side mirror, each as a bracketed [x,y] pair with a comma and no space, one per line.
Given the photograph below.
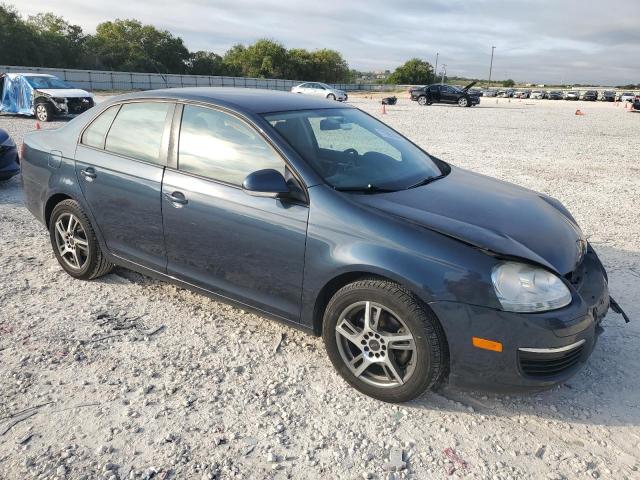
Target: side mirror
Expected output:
[266,183]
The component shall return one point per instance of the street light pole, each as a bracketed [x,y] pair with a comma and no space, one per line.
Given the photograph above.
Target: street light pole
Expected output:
[435,70]
[491,64]
[444,72]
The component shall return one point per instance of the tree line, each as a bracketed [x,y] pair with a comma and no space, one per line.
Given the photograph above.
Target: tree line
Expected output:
[48,40]
[128,45]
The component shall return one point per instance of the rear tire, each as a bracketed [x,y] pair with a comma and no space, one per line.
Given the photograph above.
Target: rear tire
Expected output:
[396,371]
[75,244]
[44,112]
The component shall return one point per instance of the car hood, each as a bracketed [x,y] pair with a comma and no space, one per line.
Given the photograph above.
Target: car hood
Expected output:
[468,86]
[65,92]
[492,215]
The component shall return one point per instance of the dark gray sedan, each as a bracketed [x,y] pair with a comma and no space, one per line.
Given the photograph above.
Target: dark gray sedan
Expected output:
[321,216]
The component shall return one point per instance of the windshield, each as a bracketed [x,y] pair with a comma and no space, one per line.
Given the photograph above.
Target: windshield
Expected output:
[352,150]
[46,82]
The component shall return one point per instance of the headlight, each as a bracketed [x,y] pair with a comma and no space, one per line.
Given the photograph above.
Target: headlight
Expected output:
[524,288]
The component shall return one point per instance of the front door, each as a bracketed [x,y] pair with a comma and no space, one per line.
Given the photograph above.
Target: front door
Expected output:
[218,237]
[120,163]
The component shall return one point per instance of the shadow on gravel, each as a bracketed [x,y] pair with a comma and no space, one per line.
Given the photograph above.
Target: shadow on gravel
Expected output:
[605,392]
[11,191]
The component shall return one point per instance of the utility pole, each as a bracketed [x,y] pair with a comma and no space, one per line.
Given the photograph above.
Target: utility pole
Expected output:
[435,70]
[444,72]
[491,64]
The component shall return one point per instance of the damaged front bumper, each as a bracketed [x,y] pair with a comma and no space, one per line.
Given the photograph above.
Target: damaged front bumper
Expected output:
[71,105]
[537,350]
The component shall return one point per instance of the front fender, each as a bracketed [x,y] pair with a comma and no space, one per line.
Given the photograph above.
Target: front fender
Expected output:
[361,240]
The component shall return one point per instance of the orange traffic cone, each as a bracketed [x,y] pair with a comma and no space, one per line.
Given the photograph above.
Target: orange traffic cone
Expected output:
[38,126]
[578,112]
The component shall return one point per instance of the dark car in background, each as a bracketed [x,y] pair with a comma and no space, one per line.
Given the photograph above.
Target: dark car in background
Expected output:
[9,166]
[590,95]
[439,93]
[608,96]
[321,216]
[555,95]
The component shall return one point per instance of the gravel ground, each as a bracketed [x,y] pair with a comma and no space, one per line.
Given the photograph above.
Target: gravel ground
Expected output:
[128,377]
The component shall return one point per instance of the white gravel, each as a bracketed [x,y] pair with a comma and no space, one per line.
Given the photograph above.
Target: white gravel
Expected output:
[211,395]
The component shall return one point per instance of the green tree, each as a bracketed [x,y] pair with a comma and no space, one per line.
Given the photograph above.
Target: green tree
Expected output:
[18,42]
[264,59]
[61,44]
[130,45]
[329,66]
[508,83]
[206,63]
[413,72]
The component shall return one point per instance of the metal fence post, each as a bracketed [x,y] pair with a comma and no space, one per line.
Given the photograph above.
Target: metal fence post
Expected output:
[112,86]
[149,75]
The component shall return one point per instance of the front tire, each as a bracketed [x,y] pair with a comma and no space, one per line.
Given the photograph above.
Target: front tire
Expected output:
[44,112]
[74,242]
[423,100]
[331,96]
[384,341]
[463,102]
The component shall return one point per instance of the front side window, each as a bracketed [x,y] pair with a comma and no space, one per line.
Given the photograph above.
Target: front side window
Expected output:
[353,151]
[138,129]
[222,147]
[94,135]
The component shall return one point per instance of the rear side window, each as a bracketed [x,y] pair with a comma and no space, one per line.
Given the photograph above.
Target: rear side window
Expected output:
[219,146]
[137,131]
[94,135]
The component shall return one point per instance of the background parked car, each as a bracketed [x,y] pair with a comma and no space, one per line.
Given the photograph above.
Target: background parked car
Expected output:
[522,94]
[538,94]
[555,95]
[572,95]
[608,96]
[8,156]
[627,97]
[41,95]
[490,93]
[508,93]
[590,95]
[438,93]
[320,90]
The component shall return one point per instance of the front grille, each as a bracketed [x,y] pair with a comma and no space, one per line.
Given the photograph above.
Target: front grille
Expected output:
[549,362]
[78,105]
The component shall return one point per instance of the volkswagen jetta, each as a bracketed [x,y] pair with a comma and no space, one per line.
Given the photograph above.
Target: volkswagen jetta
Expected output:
[319,215]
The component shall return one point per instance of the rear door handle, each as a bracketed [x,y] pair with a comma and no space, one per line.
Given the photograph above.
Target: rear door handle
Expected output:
[177,199]
[89,174]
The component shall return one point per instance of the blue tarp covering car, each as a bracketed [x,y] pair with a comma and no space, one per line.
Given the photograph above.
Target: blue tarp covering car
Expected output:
[41,95]
[8,156]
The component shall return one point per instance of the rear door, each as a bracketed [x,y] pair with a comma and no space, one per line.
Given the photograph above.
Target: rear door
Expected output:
[120,163]
[434,93]
[218,237]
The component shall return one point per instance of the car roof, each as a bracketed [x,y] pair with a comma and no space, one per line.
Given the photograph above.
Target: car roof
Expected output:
[252,100]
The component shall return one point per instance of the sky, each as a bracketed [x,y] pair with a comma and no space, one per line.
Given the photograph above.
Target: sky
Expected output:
[542,41]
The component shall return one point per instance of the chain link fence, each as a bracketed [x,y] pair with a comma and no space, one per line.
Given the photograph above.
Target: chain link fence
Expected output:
[105,80]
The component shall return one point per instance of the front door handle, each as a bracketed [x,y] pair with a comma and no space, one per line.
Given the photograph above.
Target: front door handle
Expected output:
[89,174]
[177,199]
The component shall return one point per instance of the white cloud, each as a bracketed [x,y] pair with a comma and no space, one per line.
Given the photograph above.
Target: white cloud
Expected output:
[583,41]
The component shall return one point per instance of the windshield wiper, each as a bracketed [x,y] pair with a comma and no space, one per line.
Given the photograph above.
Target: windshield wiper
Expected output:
[366,189]
[427,181]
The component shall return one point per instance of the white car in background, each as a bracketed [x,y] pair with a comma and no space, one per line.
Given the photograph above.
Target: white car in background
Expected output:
[320,90]
[538,94]
[627,97]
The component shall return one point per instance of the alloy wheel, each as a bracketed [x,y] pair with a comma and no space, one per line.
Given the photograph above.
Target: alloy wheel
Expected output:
[41,112]
[462,102]
[376,344]
[422,100]
[71,240]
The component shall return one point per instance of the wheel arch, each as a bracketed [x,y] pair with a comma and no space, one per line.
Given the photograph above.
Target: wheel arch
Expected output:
[51,203]
[337,282]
